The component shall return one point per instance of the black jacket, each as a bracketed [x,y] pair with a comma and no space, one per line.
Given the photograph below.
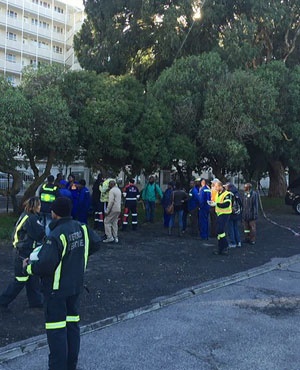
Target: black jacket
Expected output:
[250,206]
[27,233]
[63,257]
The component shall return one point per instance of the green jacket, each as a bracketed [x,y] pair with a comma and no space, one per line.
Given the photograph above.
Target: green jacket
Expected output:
[150,192]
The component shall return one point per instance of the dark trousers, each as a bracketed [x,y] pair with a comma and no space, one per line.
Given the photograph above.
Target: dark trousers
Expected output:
[63,332]
[33,291]
[221,233]
[213,222]
[195,222]
[32,284]
[203,218]
[134,221]
[150,210]
[167,218]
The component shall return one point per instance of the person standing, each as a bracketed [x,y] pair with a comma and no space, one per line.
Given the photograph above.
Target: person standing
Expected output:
[205,197]
[250,213]
[72,186]
[96,194]
[131,194]
[104,195]
[48,193]
[112,213]
[194,205]
[179,197]
[212,211]
[149,195]
[223,209]
[84,202]
[235,217]
[61,263]
[166,201]
[28,233]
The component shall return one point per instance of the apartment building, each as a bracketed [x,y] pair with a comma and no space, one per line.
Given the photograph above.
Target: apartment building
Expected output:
[37,31]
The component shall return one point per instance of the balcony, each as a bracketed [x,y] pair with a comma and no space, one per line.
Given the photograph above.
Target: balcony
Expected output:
[37,9]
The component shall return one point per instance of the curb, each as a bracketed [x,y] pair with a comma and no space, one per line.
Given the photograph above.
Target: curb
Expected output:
[26,346]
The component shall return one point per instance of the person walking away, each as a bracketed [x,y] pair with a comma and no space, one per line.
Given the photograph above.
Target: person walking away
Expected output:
[166,200]
[235,217]
[179,197]
[212,211]
[250,213]
[149,195]
[61,263]
[27,235]
[205,197]
[112,213]
[48,193]
[131,194]
[96,194]
[193,206]
[223,207]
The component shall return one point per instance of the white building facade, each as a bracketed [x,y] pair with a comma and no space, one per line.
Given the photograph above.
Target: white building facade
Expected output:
[37,31]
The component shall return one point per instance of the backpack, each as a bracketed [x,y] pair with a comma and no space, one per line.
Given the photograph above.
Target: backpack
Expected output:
[236,205]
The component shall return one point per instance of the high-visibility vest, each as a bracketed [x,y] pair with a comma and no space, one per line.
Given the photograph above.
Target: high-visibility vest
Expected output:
[214,195]
[220,200]
[48,194]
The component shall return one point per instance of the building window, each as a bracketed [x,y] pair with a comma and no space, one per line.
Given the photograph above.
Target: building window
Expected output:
[11,36]
[11,58]
[44,25]
[34,21]
[59,10]
[25,19]
[58,29]
[57,49]
[35,2]
[12,14]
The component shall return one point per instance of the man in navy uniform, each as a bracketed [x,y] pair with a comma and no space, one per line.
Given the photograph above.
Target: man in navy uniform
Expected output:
[131,194]
[61,263]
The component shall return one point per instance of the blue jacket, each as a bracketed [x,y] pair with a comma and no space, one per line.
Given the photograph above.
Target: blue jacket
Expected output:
[194,199]
[166,199]
[205,195]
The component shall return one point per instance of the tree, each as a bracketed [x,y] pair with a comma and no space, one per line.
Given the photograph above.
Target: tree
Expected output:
[53,133]
[15,114]
[142,37]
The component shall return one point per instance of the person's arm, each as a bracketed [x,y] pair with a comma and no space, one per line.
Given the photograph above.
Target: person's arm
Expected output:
[226,203]
[160,193]
[49,258]
[111,197]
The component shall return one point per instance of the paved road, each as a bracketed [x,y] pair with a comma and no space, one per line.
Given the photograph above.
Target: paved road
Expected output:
[251,324]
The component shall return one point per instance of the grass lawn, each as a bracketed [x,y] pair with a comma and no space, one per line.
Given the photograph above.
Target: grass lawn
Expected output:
[7,221]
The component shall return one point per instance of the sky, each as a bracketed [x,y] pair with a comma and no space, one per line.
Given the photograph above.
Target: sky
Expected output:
[78,3]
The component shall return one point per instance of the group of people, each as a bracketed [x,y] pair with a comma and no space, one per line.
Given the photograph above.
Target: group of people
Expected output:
[51,257]
[214,207]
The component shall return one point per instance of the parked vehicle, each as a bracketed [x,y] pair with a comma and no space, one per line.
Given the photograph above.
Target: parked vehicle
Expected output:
[292,197]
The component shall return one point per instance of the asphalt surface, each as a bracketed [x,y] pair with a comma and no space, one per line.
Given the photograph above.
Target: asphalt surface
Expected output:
[251,324]
[144,268]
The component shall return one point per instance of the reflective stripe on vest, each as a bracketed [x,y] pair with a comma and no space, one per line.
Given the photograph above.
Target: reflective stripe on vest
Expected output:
[86,245]
[57,273]
[18,228]
[50,196]
[220,199]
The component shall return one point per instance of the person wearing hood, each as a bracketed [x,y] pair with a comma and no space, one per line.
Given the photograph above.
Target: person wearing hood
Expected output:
[235,217]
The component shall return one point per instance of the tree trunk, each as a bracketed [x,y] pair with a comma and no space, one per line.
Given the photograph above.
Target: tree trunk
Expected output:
[38,180]
[277,179]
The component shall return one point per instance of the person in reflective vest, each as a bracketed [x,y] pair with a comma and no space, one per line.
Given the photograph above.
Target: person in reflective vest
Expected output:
[48,193]
[61,263]
[28,233]
[131,194]
[223,208]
